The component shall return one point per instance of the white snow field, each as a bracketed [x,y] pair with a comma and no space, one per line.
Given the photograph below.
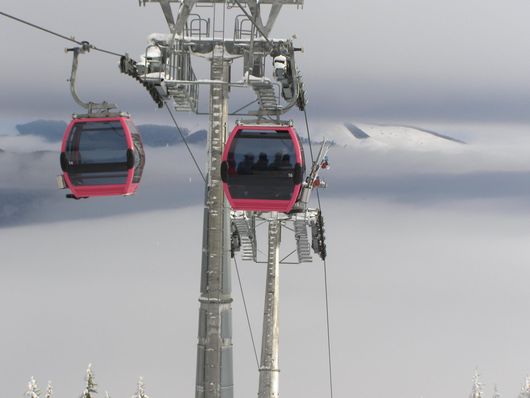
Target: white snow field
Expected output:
[428,277]
[390,137]
[409,138]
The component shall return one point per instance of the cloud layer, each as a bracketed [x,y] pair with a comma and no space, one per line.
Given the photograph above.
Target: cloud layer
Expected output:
[427,269]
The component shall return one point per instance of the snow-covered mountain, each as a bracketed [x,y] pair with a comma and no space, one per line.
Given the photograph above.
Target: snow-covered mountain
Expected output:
[360,135]
[375,136]
[52,131]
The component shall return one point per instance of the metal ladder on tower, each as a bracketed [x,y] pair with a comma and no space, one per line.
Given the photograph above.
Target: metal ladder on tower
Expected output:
[302,241]
[246,228]
[267,97]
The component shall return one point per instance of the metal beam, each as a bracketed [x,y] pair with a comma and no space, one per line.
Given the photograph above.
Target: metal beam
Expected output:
[275,11]
[168,14]
[255,9]
[183,14]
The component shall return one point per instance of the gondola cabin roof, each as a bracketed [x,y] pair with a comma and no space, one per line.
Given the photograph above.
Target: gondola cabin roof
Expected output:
[102,156]
[262,168]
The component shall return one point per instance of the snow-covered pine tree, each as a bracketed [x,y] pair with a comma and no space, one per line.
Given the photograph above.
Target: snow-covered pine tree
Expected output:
[49,390]
[525,390]
[33,389]
[496,392]
[140,393]
[476,391]
[90,386]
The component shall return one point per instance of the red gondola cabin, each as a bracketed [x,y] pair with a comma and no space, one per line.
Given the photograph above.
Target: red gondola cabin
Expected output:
[263,168]
[102,157]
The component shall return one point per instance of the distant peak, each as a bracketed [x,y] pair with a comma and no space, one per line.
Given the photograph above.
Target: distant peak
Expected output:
[356,131]
[398,137]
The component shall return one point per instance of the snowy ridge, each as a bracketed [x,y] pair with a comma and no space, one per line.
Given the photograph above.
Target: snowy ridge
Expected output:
[389,137]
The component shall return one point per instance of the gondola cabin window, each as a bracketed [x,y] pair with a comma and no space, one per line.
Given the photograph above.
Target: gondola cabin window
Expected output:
[97,154]
[262,168]
[102,157]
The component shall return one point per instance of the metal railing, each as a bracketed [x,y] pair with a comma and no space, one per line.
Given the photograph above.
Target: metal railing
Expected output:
[198,27]
[243,28]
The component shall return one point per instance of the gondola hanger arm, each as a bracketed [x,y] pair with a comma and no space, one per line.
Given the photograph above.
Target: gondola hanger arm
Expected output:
[90,106]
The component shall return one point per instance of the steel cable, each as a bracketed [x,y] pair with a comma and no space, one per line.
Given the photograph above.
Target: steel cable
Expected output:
[185,142]
[246,313]
[72,39]
[328,328]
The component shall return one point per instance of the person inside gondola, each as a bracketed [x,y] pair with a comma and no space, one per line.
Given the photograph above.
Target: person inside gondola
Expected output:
[286,162]
[276,163]
[245,166]
[263,162]
[268,159]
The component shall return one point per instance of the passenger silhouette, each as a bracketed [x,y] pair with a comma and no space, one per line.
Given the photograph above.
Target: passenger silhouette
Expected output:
[286,162]
[245,166]
[276,163]
[262,163]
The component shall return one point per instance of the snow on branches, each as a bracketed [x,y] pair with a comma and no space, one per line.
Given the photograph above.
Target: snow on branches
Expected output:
[33,390]
[525,390]
[140,393]
[90,385]
[89,391]
[49,390]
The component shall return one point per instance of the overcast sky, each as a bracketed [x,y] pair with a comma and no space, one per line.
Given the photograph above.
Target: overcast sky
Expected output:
[368,59]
